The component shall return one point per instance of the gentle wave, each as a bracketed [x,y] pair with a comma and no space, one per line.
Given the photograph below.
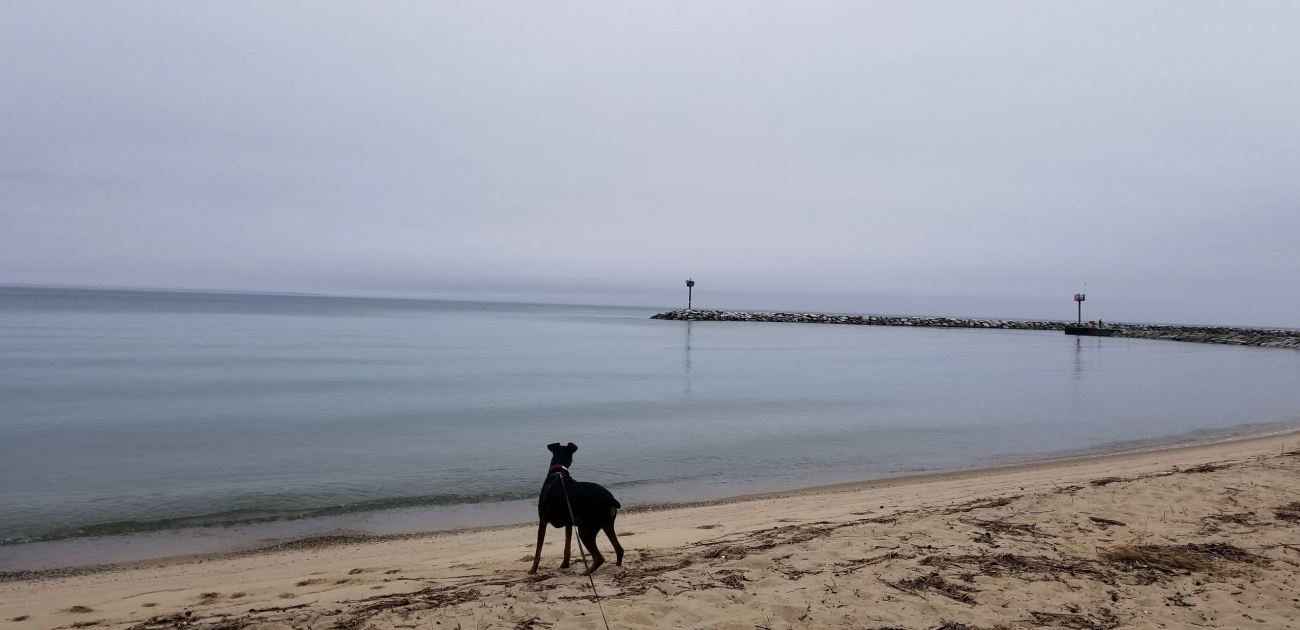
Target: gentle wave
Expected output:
[228,518]
[251,516]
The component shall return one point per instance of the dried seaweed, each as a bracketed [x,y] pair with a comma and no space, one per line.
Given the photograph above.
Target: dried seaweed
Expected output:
[1106,621]
[726,552]
[628,576]
[532,622]
[1289,512]
[953,625]
[1201,558]
[1003,528]
[980,504]
[1105,481]
[935,583]
[425,599]
[1239,518]
[728,578]
[791,573]
[851,566]
[1023,567]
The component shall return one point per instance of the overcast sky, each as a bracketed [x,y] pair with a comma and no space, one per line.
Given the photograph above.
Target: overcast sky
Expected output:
[965,158]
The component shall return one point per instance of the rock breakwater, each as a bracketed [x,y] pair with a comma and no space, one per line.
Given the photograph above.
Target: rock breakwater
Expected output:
[1230,335]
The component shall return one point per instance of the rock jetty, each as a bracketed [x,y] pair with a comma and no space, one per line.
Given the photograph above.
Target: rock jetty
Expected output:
[1231,335]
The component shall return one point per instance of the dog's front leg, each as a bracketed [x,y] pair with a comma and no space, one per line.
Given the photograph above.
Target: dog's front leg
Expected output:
[568,537]
[541,538]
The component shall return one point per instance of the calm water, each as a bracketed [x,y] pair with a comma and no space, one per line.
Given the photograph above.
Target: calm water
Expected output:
[237,418]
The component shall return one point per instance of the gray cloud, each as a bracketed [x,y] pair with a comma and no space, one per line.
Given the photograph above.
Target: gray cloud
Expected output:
[956,158]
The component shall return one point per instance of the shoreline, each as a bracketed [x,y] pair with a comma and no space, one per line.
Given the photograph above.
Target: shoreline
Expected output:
[345,537]
[907,553]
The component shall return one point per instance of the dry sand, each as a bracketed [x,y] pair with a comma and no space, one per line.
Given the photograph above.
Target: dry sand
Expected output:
[1206,536]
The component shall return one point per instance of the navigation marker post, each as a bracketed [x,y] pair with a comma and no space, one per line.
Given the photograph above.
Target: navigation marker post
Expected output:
[690,286]
[1080,297]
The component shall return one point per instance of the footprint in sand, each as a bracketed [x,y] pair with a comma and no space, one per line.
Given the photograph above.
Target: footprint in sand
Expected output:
[148,604]
[310,582]
[715,525]
[20,618]
[80,610]
[392,571]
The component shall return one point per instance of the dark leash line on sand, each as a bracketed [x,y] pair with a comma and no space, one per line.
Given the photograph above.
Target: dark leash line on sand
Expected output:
[582,553]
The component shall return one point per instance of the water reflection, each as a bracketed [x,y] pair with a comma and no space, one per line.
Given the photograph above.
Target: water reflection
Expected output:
[687,391]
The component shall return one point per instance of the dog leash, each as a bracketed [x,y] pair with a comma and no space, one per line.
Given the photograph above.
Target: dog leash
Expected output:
[581,552]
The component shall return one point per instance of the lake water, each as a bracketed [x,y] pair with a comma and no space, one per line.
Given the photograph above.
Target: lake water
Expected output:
[136,424]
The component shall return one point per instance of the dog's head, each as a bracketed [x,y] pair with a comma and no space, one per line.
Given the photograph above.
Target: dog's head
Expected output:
[562,454]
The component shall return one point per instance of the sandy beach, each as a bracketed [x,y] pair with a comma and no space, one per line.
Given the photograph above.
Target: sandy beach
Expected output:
[1202,536]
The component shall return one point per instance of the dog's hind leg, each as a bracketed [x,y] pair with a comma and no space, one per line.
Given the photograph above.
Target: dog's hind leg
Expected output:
[568,539]
[613,540]
[541,538]
[587,536]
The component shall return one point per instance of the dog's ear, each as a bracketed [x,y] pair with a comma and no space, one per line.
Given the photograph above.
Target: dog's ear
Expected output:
[553,447]
[572,447]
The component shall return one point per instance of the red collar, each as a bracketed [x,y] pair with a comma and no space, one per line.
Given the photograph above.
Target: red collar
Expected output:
[558,467]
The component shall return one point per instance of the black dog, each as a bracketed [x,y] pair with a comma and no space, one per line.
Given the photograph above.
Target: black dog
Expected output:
[593,509]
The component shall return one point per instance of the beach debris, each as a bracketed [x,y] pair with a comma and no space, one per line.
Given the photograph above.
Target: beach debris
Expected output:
[177,620]
[954,625]
[1030,568]
[1206,468]
[1201,558]
[1004,528]
[633,574]
[1105,481]
[1074,621]
[1289,512]
[405,603]
[934,583]
[80,610]
[726,552]
[851,566]
[278,608]
[727,578]
[1212,523]
[532,622]
[1106,522]
[791,573]
[981,504]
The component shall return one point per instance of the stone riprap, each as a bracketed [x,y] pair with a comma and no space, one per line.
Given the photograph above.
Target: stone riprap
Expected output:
[1237,336]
